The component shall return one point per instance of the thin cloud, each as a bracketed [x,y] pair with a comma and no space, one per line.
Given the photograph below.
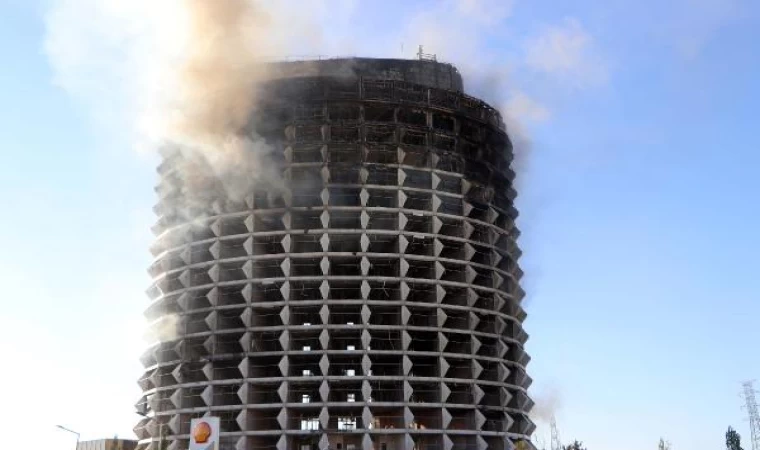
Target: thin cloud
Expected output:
[110,55]
[487,12]
[700,21]
[566,52]
[522,105]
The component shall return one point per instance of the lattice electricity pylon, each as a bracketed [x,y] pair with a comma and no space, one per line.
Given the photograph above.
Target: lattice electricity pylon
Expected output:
[754,417]
[556,443]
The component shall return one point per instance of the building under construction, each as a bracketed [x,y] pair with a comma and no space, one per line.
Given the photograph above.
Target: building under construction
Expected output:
[371,303]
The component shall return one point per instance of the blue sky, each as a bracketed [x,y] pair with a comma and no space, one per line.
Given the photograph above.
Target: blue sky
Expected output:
[638,202]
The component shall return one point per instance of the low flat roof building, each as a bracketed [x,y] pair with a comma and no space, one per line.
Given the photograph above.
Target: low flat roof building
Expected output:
[107,444]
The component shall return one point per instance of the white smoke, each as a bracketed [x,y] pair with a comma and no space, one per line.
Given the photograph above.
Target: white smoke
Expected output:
[214,93]
[548,402]
[182,74]
[164,329]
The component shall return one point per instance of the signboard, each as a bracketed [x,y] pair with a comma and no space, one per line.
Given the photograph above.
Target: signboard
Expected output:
[204,433]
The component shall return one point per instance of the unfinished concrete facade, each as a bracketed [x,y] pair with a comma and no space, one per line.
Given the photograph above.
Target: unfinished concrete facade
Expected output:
[372,304]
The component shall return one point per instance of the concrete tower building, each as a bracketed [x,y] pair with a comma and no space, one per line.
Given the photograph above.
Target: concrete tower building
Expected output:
[374,303]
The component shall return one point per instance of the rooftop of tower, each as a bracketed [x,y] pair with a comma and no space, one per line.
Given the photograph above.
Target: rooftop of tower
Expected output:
[425,72]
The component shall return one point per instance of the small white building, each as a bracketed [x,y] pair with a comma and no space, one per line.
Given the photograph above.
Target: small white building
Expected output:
[107,444]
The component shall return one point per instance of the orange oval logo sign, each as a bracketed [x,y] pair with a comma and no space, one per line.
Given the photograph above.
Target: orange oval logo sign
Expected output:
[202,432]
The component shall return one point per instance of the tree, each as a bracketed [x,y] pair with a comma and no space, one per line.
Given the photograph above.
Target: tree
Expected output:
[576,445]
[663,445]
[733,440]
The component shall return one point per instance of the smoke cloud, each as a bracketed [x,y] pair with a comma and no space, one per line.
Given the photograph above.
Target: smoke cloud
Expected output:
[182,75]
[215,96]
[164,330]
[216,83]
[547,403]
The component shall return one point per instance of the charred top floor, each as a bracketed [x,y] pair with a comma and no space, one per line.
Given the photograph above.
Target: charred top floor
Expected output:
[421,72]
[425,96]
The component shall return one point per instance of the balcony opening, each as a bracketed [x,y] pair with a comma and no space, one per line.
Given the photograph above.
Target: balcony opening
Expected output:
[311,424]
[343,153]
[416,117]
[378,114]
[346,423]
[343,113]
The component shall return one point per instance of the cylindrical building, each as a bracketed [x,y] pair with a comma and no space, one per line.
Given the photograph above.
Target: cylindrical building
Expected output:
[374,302]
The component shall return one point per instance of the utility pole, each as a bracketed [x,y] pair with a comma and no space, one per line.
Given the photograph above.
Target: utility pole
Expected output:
[70,431]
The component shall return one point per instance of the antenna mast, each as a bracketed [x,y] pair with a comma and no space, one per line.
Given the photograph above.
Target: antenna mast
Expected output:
[556,444]
[754,417]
